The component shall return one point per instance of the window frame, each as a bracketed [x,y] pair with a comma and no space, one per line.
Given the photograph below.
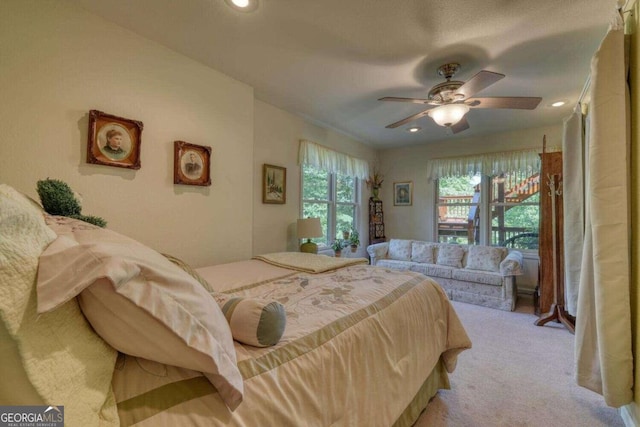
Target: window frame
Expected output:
[332,204]
[486,209]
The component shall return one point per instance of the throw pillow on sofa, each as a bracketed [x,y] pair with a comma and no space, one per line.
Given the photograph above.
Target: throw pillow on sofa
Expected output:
[450,255]
[422,252]
[485,258]
[400,249]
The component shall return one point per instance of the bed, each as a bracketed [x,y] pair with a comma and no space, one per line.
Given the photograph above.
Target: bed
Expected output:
[362,345]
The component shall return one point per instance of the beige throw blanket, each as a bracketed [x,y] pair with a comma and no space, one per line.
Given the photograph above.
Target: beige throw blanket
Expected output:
[309,263]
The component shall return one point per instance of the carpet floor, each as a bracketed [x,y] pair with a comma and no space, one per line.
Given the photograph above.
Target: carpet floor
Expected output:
[516,374]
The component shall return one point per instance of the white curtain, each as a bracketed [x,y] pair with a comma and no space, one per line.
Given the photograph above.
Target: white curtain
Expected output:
[604,361]
[573,166]
[526,161]
[323,158]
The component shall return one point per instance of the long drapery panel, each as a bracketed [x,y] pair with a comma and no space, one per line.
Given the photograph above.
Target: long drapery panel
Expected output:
[604,361]
[573,167]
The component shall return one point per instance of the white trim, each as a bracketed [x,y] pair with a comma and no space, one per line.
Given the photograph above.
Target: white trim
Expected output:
[628,415]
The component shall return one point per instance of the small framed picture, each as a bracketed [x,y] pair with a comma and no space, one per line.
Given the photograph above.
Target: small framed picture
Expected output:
[274,184]
[191,164]
[403,193]
[113,140]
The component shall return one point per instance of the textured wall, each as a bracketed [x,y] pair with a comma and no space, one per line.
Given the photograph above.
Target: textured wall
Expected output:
[58,62]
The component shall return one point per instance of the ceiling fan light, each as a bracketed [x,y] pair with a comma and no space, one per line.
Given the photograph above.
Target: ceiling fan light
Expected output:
[449,114]
[243,5]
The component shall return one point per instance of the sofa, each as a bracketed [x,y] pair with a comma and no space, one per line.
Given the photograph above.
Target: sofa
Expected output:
[482,275]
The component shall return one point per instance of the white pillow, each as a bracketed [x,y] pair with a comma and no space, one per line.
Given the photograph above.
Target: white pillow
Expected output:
[400,249]
[422,252]
[139,302]
[56,358]
[450,254]
[485,258]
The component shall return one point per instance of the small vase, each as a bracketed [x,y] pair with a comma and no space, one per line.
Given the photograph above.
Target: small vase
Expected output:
[375,193]
[337,253]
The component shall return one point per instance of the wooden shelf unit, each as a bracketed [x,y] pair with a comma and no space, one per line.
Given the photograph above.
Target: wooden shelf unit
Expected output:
[376,222]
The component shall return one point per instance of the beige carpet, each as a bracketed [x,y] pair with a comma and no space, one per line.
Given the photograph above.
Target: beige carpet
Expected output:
[516,374]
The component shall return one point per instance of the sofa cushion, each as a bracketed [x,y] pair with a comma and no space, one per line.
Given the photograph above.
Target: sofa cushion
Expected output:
[422,252]
[395,264]
[485,258]
[450,255]
[400,249]
[487,278]
[434,270]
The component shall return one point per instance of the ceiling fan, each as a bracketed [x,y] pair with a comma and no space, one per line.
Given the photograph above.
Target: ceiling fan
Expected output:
[451,100]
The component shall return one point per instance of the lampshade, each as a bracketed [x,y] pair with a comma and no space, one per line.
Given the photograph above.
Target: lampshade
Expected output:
[449,114]
[307,229]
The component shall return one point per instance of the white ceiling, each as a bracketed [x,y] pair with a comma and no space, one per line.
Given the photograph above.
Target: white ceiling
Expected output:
[330,60]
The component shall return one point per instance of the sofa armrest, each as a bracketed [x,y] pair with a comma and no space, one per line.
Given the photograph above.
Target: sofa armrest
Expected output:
[377,251]
[512,264]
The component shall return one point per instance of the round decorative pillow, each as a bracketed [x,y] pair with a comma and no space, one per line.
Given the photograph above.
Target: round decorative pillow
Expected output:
[253,321]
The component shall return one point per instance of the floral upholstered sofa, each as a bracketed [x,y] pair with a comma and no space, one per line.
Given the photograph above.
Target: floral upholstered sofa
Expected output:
[482,275]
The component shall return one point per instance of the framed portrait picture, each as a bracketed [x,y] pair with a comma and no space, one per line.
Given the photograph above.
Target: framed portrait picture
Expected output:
[403,193]
[274,184]
[191,164]
[113,140]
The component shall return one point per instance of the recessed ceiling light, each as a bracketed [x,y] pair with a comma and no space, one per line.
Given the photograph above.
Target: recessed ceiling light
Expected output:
[558,104]
[243,5]
[414,129]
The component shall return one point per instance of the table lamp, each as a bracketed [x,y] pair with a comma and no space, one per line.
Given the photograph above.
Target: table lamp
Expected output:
[309,228]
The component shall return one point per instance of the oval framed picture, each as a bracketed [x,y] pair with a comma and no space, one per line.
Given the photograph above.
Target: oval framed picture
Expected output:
[114,141]
[191,164]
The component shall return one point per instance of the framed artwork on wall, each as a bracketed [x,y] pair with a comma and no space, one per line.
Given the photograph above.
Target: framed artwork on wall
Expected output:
[114,141]
[403,193]
[274,184]
[191,164]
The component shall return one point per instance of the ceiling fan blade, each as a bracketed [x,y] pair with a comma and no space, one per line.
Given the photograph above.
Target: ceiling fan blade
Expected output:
[480,81]
[463,124]
[413,100]
[516,102]
[407,120]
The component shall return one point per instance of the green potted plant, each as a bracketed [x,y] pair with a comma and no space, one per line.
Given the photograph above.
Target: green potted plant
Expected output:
[337,247]
[354,240]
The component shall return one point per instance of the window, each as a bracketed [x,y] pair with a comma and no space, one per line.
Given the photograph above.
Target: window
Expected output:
[515,210]
[458,208]
[508,217]
[331,197]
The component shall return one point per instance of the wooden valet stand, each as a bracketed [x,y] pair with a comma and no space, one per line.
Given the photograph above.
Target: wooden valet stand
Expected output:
[556,311]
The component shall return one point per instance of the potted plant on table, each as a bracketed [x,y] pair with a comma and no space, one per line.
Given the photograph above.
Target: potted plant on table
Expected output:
[375,182]
[337,248]
[354,240]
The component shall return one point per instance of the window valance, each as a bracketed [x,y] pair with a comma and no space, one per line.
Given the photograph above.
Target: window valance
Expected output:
[490,164]
[332,161]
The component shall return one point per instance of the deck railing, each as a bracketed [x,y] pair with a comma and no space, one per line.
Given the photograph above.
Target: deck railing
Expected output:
[457,223]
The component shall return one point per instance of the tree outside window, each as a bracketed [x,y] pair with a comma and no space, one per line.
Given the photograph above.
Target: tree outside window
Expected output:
[332,198]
